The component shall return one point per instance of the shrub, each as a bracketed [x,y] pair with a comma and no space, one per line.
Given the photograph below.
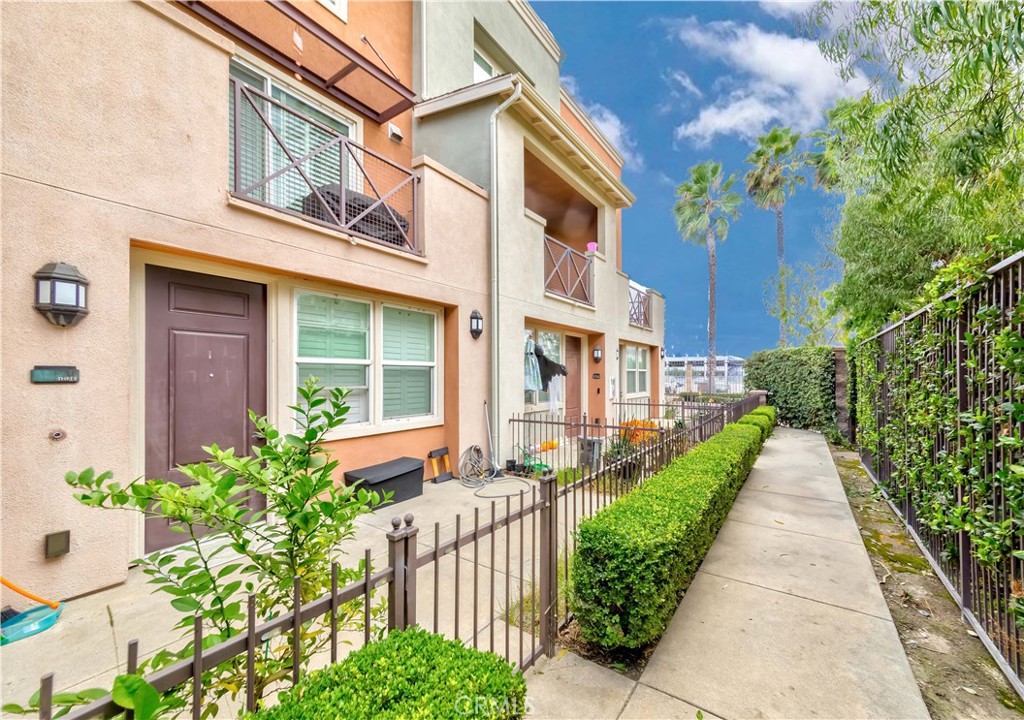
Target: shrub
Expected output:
[801,384]
[760,421]
[410,675]
[635,557]
[767,410]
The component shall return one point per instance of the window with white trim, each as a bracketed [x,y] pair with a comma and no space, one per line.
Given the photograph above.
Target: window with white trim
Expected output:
[384,354]
[310,127]
[338,7]
[552,343]
[333,344]
[637,370]
[483,67]
[409,363]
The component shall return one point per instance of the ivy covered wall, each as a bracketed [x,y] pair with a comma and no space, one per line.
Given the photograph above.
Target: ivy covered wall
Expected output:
[940,424]
[801,385]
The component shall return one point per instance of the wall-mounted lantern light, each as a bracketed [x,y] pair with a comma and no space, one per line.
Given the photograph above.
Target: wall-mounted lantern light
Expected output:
[60,293]
[662,353]
[597,354]
[476,324]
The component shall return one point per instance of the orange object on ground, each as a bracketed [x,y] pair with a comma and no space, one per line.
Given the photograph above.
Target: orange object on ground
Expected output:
[25,593]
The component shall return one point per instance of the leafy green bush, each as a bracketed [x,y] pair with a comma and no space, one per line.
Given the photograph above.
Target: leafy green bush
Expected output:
[801,384]
[767,410]
[635,557]
[410,675]
[760,421]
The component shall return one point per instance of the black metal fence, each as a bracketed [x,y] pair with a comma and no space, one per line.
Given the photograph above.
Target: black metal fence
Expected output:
[940,422]
[495,577]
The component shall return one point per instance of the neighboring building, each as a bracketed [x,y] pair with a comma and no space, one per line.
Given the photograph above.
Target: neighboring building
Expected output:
[257,194]
[688,373]
[505,123]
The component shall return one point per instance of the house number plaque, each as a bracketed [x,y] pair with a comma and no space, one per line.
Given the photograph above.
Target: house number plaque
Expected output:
[55,374]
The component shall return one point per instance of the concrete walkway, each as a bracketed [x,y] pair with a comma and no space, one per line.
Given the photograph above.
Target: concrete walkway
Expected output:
[785,618]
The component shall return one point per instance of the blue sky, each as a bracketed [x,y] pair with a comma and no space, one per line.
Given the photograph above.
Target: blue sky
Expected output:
[676,83]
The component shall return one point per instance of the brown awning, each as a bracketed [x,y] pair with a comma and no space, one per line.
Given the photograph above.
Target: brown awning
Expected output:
[323,60]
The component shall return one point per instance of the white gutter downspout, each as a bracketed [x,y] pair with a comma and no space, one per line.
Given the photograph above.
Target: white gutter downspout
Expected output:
[495,304]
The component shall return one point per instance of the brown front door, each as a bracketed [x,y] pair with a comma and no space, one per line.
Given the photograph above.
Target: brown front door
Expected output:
[206,366]
[573,381]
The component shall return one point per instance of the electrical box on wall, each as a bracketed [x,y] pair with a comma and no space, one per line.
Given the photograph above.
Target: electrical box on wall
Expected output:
[58,543]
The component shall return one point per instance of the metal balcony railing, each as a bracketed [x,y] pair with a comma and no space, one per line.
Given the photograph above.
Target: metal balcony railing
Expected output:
[288,161]
[567,272]
[639,307]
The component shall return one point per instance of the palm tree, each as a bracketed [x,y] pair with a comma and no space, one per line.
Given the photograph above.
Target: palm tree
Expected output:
[704,207]
[774,175]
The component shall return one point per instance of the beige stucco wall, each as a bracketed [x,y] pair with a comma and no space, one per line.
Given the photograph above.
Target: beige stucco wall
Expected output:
[523,299]
[445,35]
[126,164]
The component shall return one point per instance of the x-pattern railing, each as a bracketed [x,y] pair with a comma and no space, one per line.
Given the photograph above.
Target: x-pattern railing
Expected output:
[639,307]
[567,272]
[320,173]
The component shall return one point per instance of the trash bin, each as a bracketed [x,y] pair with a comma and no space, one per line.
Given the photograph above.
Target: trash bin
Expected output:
[403,477]
[590,452]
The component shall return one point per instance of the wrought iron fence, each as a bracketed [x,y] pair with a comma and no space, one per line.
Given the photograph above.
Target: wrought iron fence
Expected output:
[494,577]
[957,451]
[639,307]
[284,159]
[568,272]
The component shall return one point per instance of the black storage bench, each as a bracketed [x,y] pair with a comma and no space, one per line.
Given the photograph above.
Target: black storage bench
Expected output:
[403,477]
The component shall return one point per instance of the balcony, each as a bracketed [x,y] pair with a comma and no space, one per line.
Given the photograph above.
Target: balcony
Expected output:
[639,306]
[567,272]
[290,162]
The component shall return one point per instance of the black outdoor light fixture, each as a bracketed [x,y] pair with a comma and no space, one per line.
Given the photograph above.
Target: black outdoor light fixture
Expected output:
[597,354]
[60,293]
[476,324]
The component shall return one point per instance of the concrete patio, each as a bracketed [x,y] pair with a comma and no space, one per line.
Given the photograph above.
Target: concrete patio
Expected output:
[785,618]
[89,642]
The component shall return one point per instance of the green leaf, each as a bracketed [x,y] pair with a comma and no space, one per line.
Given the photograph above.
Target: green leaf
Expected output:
[134,693]
[185,604]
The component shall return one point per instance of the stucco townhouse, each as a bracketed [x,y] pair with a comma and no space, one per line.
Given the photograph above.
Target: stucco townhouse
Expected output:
[206,202]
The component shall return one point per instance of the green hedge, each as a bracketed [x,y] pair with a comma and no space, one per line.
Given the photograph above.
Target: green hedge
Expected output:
[801,384]
[760,421]
[410,675]
[767,410]
[634,558]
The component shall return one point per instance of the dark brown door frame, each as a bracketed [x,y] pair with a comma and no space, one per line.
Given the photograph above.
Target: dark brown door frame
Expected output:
[207,336]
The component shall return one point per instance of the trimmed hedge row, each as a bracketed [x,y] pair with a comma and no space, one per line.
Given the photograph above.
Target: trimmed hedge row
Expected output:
[763,417]
[634,558]
[410,675]
[766,410]
[801,384]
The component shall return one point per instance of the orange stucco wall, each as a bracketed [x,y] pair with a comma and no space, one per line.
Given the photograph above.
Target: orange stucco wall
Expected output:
[387,25]
[588,137]
[656,387]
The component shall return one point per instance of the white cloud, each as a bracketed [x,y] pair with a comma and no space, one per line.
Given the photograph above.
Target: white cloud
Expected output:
[611,126]
[775,79]
[684,82]
[786,9]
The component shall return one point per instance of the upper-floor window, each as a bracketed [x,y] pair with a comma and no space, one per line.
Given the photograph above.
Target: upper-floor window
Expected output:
[338,7]
[483,67]
[297,155]
[288,117]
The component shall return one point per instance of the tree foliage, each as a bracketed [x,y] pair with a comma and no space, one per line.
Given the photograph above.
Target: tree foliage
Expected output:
[231,548]
[929,159]
[705,205]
